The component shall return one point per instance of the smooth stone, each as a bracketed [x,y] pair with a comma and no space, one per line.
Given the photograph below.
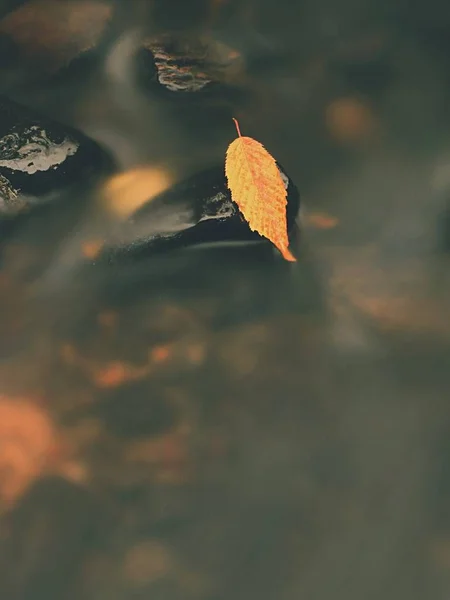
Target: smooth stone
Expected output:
[198,211]
[39,158]
[191,243]
[190,248]
[196,82]
[185,66]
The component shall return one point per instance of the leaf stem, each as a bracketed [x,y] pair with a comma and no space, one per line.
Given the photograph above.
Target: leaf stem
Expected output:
[237,126]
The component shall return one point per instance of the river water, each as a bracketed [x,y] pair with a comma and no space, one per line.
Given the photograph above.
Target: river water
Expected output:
[213,423]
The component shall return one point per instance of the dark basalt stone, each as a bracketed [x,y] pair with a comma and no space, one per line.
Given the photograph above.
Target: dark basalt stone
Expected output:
[190,244]
[185,66]
[195,79]
[39,157]
[28,33]
[194,212]
[189,248]
[9,199]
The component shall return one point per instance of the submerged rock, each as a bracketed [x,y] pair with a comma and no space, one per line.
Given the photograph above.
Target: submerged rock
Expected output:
[190,247]
[38,158]
[9,200]
[43,36]
[185,65]
[194,212]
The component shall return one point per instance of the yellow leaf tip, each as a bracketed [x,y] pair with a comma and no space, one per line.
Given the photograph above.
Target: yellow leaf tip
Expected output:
[287,255]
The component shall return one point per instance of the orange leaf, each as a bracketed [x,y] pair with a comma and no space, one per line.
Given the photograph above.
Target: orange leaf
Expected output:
[257,188]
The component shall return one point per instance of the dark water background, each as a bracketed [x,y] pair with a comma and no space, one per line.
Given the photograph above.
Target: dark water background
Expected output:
[222,428]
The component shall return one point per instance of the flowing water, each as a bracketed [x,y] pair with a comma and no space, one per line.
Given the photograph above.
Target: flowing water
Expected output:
[211,422]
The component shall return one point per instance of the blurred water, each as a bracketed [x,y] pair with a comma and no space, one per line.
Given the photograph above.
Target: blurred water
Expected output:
[228,426]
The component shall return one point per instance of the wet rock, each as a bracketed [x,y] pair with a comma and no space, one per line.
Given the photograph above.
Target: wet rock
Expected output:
[46,172]
[39,157]
[48,40]
[187,65]
[48,34]
[198,81]
[190,247]
[9,201]
[157,66]
[46,538]
[194,212]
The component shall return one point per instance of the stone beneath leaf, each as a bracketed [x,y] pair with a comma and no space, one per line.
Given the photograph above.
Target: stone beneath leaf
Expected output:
[195,212]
